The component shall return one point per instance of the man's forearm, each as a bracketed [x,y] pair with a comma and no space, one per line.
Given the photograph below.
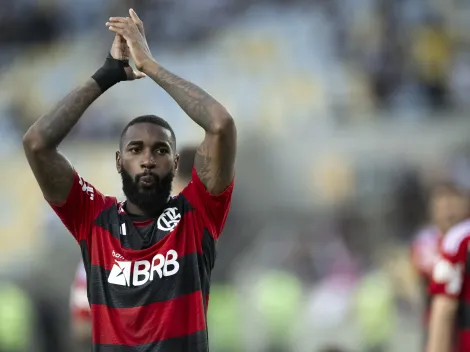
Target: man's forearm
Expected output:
[199,105]
[440,336]
[49,130]
[441,325]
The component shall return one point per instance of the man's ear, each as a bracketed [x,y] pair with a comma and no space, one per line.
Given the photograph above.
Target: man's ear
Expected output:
[118,161]
[177,161]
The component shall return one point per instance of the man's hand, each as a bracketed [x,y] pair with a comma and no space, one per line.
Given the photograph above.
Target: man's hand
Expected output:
[132,30]
[120,51]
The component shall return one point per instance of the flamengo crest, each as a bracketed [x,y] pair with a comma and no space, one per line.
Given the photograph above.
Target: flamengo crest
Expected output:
[169,219]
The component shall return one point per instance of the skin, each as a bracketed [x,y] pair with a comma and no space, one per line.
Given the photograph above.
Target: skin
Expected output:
[215,157]
[448,209]
[146,147]
[52,170]
[442,324]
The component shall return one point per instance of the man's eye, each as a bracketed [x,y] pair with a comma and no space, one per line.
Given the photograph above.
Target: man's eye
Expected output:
[134,150]
[162,151]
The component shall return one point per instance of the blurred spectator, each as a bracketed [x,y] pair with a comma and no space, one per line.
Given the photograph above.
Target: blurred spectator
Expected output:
[447,205]
[433,53]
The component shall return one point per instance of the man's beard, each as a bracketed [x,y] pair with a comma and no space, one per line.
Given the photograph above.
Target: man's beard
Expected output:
[151,200]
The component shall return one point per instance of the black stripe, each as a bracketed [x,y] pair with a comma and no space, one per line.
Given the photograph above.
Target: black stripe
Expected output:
[463,312]
[463,315]
[209,250]
[196,342]
[108,219]
[87,264]
[186,280]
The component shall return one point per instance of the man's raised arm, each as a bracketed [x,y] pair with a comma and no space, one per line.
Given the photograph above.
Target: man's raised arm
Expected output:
[52,170]
[215,157]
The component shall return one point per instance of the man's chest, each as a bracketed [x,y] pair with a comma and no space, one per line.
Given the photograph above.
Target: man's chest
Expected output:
[120,258]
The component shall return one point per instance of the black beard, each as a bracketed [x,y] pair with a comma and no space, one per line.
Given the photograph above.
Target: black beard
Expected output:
[151,200]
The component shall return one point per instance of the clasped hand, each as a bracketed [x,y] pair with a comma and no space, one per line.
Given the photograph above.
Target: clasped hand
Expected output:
[130,41]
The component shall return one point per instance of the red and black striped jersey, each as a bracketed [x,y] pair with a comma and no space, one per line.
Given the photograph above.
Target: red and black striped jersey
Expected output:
[451,277]
[151,298]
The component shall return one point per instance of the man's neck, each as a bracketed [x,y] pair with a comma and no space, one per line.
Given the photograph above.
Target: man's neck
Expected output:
[133,209]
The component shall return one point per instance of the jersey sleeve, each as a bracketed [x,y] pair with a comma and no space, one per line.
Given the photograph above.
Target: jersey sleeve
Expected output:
[449,271]
[80,209]
[79,305]
[423,252]
[214,208]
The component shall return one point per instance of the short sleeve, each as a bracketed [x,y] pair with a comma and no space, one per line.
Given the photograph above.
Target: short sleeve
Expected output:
[423,252]
[80,209]
[449,270]
[79,305]
[214,207]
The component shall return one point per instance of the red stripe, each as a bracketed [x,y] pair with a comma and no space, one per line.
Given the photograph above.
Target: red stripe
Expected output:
[152,323]
[463,341]
[465,295]
[183,240]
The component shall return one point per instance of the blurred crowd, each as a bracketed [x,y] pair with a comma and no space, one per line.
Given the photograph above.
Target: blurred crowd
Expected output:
[348,112]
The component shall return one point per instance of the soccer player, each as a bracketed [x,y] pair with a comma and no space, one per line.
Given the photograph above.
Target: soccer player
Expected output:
[448,205]
[80,311]
[450,289]
[148,259]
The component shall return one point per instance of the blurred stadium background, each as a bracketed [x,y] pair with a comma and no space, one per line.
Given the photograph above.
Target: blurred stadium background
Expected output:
[347,111]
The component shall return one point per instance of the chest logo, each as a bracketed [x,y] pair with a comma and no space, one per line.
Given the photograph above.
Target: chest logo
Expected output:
[169,219]
[138,273]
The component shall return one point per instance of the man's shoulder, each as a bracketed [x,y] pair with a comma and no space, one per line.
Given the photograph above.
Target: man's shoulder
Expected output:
[426,235]
[456,237]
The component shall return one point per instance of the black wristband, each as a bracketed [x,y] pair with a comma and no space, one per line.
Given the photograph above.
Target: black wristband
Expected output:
[112,72]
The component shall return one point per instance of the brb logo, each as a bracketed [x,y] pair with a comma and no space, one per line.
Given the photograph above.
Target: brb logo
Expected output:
[143,270]
[169,219]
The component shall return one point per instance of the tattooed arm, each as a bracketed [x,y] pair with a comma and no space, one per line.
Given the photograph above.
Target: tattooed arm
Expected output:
[215,157]
[52,170]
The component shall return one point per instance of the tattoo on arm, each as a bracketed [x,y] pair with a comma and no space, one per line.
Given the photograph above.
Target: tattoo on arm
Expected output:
[199,105]
[52,128]
[51,169]
[214,162]
[215,157]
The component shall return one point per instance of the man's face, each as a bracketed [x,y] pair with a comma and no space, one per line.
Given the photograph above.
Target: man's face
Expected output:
[448,209]
[147,164]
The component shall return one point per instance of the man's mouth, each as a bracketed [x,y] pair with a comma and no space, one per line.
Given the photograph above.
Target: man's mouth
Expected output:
[147,180]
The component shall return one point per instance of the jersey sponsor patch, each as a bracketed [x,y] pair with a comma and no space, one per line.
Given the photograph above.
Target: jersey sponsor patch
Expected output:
[138,273]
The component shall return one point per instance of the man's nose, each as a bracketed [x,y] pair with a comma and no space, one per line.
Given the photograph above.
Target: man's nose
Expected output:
[148,162]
